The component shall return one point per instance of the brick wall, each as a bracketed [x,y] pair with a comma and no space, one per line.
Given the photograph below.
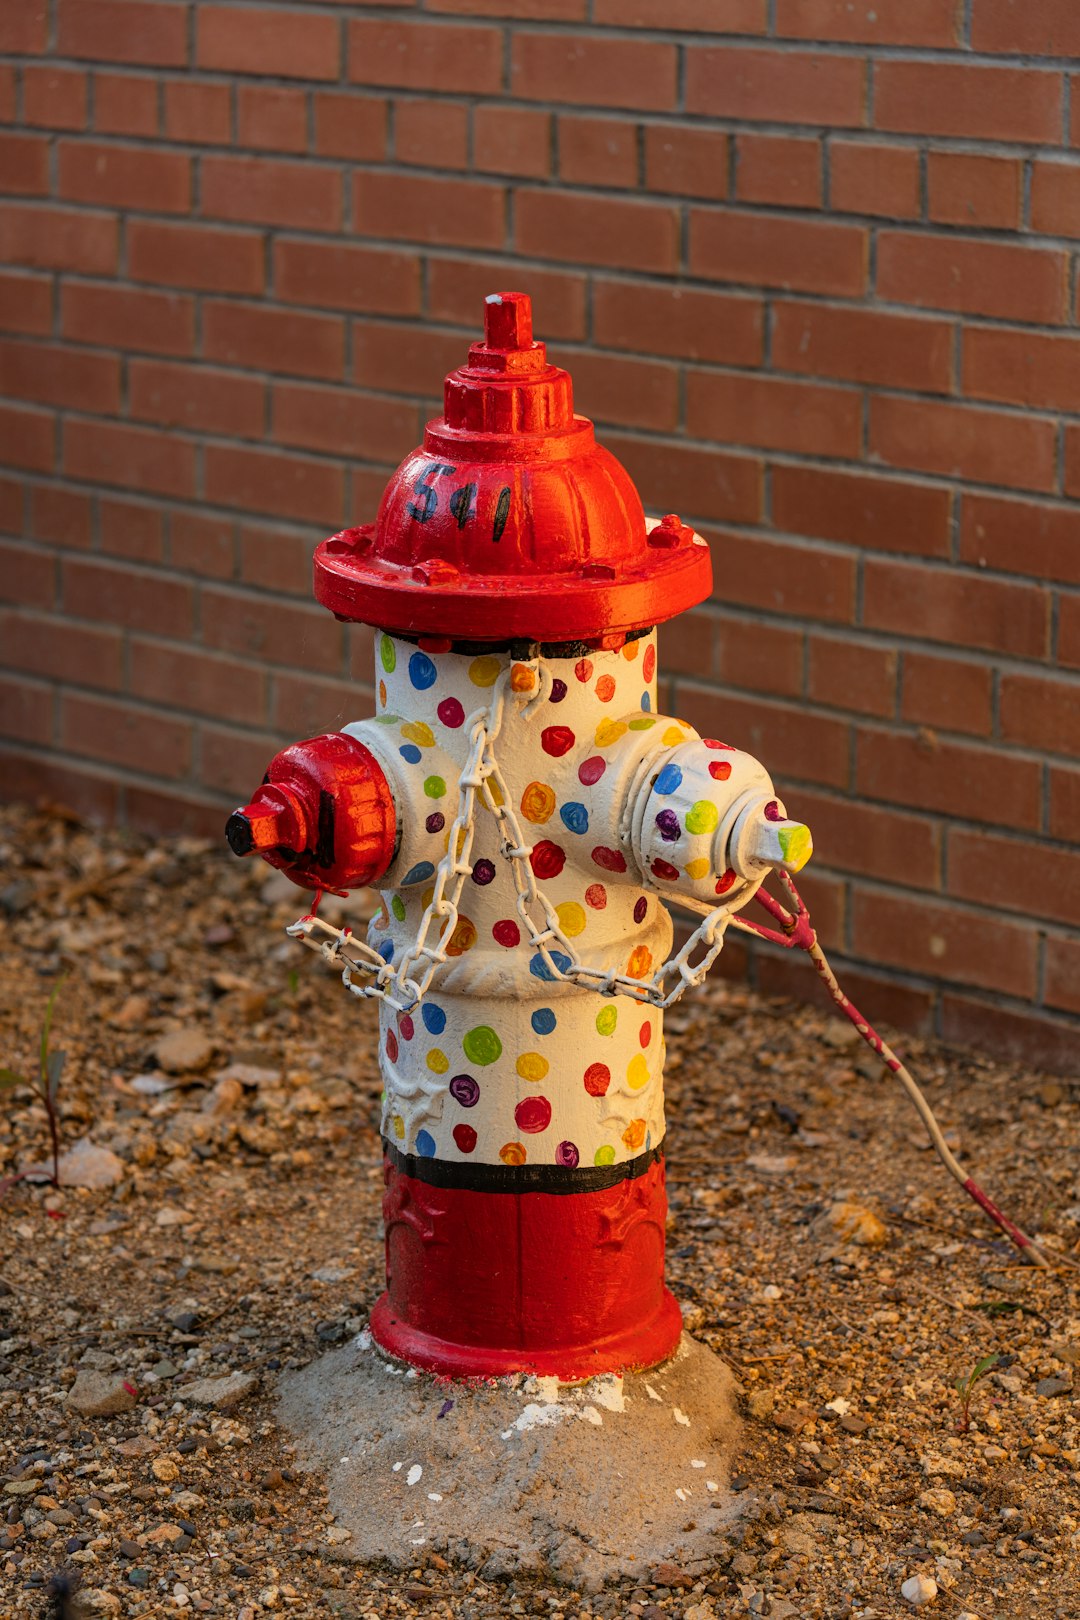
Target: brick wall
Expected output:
[812,264]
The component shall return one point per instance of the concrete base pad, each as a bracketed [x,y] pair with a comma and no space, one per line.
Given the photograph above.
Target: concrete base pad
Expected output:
[576,1483]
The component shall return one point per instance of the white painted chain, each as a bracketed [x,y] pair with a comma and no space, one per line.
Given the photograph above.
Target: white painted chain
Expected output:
[482,779]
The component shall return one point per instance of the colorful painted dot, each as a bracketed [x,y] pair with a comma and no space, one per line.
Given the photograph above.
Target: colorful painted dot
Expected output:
[547,859]
[435,822]
[382,694]
[558,691]
[465,1090]
[697,869]
[726,881]
[506,932]
[531,1066]
[566,1153]
[673,736]
[720,770]
[522,678]
[609,731]
[597,1079]
[669,779]
[399,1127]
[630,650]
[462,939]
[483,872]
[434,787]
[397,906]
[437,1061]
[484,671]
[648,663]
[644,722]
[481,1045]
[451,713]
[422,672]
[387,654]
[664,871]
[493,790]
[596,896]
[416,731]
[572,918]
[513,1153]
[714,742]
[604,1155]
[637,1072]
[702,817]
[418,874]
[591,770]
[406,1027]
[668,825]
[646,703]
[391,1046]
[640,962]
[641,909]
[606,1019]
[634,1134]
[772,809]
[465,1138]
[605,688]
[612,860]
[540,970]
[434,644]
[433,1017]
[410,754]
[386,950]
[538,803]
[574,817]
[543,1021]
[644,1034]
[557,740]
[583,669]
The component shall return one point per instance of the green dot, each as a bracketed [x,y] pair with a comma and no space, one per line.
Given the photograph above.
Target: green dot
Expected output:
[702,817]
[606,1019]
[388,655]
[605,1154]
[434,787]
[397,906]
[644,722]
[482,1045]
[387,719]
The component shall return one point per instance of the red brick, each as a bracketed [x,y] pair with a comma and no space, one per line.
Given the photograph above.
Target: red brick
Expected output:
[853,675]
[512,140]
[196,398]
[777,87]
[279,44]
[426,56]
[860,509]
[124,31]
[463,213]
[1003,872]
[204,258]
[1072,460]
[632,393]
[967,188]
[125,105]
[959,779]
[26,710]
[1020,537]
[456,289]
[1038,712]
[701,482]
[695,16]
[1022,368]
[945,942]
[24,163]
[200,114]
[202,545]
[268,481]
[59,239]
[29,575]
[769,412]
[304,705]
[8,94]
[962,608]
[691,162]
[1003,279]
[54,98]
[598,151]
[27,438]
[24,29]
[1055,198]
[813,747]
[987,103]
[869,178]
[781,169]
[266,191]
[161,323]
[1064,804]
[132,598]
[947,692]
[1069,632]
[686,323]
[11,505]
[963,441]
[340,422]
[63,651]
[802,255]
[124,177]
[232,761]
[404,358]
[271,117]
[277,559]
[346,277]
[693,652]
[863,838]
[138,458]
[350,126]
[271,631]
[124,735]
[612,231]
[170,813]
[267,339]
[757,657]
[26,303]
[61,516]
[53,375]
[1051,28]
[778,577]
[189,678]
[36,777]
[1062,968]
[131,529]
[862,345]
[432,133]
[609,72]
[538,10]
[868,22]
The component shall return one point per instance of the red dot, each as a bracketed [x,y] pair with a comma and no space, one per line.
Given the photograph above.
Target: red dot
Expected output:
[719,770]
[506,932]
[645,1033]
[406,1026]
[434,644]
[583,669]
[596,896]
[391,1046]
[532,1114]
[664,870]
[465,1137]
[612,860]
[605,688]
[547,859]
[557,740]
[711,742]
[648,663]
[724,883]
[591,770]
[597,1079]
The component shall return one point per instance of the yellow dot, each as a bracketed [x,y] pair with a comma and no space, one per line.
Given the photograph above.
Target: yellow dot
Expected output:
[494,791]
[512,1153]
[484,671]
[571,917]
[634,1134]
[637,1072]
[609,731]
[673,736]
[416,731]
[531,1066]
[399,1127]
[537,802]
[522,678]
[438,1062]
[697,869]
[428,894]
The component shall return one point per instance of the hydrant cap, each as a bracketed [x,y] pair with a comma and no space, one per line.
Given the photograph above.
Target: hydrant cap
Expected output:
[511,521]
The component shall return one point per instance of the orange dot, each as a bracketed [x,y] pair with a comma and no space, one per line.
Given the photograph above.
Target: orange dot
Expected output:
[630,650]
[522,678]
[462,939]
[514,1152]
[382,694]
[605,688]
[537,802]
[634,1134]
[640,962]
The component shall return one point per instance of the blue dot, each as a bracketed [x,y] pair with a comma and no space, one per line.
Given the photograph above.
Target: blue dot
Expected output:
[434,1018]
[385,948]
[669,779]
[540,970]
[422,870]
[574,817]
[422,671]
[425,1144]
[410,753]
[646,702]
[543,1021]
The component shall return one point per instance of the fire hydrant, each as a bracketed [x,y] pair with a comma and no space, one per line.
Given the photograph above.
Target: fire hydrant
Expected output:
[525,812]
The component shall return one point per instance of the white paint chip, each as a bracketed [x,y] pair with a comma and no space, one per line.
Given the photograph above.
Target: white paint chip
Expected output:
[711,1485]
[433,1496]
[651,1393]
[681,1494]
[695,1462]
[413,1476]
[398,1467]
[681,1417]
[591,1415]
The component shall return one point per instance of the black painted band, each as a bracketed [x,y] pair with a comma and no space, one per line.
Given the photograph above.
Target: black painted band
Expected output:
[518,1178]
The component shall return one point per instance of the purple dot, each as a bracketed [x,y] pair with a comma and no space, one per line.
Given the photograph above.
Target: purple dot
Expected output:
[435,823]
[566,1153]
[558,692]
[464,1089]
[640,909]
[451,713]
[591,770]
[772,811]
[668,823]
[483,872]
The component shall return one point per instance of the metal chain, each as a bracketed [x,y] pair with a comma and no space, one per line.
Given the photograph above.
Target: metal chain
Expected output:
[482,779]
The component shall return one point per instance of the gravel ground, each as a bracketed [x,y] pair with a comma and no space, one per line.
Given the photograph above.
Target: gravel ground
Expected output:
[238,1235]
